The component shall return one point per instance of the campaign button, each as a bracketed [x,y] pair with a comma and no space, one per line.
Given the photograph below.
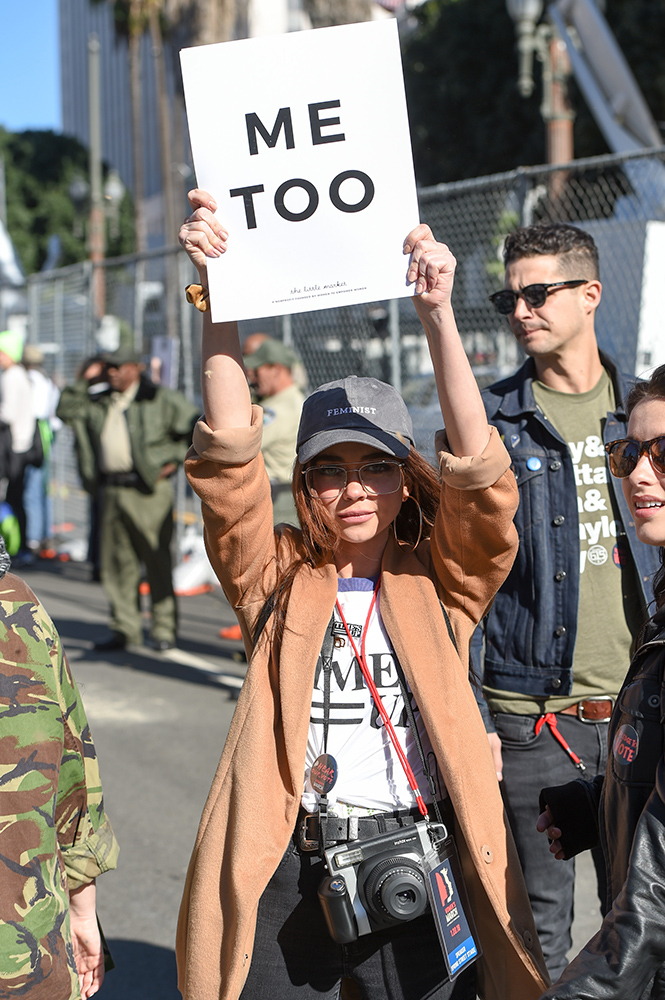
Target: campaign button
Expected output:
[626,745]
[323,774]
[533,464]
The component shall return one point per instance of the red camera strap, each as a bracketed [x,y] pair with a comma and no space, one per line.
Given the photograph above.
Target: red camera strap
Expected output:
[369,680]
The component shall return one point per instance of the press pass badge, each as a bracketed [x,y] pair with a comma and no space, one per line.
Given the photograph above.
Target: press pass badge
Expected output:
[450,907]
[323,774]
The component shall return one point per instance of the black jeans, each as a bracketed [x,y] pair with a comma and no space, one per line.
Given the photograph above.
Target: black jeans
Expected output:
[530,763]
[15,486]
[295,958]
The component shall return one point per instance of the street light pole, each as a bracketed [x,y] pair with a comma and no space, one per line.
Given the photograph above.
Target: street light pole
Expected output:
[542,40]
[96,229]
[560,113]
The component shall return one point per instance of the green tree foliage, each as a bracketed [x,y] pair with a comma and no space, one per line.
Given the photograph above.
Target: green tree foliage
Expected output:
[39,167]
[467,116]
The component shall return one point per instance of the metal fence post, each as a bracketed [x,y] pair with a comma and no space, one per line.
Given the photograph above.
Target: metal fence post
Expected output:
[395,345]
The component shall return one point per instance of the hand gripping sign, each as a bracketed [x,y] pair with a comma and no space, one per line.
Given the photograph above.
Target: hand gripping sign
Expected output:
[303,141]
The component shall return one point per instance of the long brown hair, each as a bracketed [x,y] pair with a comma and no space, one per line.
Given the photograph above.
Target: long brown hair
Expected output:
[320,533]
[651,388]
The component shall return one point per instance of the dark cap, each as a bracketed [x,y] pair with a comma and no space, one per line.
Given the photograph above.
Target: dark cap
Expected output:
[123,356]
[271,352]
[362,410]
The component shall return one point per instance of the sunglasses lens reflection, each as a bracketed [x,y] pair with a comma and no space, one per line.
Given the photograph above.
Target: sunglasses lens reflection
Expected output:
[658,453]
[623,458]
[625,455]
[505,301]
[535,295]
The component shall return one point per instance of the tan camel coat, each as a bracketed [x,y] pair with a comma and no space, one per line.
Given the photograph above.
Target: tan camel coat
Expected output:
[255,796]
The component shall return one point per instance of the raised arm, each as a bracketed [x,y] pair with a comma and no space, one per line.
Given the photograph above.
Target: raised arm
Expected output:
[432,267]
[225,392]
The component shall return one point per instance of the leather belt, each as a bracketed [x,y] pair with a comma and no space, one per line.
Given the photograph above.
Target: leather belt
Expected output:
[341,829]
[590,709]
[121,479]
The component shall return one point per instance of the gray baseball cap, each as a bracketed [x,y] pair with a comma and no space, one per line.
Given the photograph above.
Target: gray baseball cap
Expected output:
[361,410]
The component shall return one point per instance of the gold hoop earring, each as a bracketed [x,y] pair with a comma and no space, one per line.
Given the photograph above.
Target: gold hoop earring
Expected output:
[420,525]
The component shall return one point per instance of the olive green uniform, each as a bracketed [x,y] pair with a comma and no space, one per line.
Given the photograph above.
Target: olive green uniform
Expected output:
[136,505]
[281,417]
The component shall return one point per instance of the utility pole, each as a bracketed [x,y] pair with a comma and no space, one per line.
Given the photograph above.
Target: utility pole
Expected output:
[3,193]
[96,229]
[166,159]
[543,41]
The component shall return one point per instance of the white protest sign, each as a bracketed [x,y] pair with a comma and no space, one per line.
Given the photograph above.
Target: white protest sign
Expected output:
[303,141]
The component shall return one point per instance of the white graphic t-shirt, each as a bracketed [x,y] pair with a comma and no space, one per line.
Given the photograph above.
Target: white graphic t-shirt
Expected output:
[370,775]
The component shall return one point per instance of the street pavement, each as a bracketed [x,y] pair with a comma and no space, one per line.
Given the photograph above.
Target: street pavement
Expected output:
[159,722]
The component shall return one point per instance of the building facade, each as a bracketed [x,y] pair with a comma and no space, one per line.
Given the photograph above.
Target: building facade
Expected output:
[214,20]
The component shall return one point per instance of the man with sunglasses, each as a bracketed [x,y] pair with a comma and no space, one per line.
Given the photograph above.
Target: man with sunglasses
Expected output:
[558,636]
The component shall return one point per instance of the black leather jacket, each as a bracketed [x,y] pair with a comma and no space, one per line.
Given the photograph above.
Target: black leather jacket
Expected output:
[626,958]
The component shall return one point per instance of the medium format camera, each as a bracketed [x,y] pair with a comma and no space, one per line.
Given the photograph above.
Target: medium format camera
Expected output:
[377,883]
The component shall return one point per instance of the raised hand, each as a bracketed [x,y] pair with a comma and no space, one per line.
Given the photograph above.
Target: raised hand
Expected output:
[201,235]
[432,267]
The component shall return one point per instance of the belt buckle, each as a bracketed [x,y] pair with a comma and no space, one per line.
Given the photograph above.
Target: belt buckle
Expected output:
[305,842]
[580,709]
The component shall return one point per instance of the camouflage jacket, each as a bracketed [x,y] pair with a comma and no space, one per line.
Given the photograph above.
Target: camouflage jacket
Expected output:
[53,831]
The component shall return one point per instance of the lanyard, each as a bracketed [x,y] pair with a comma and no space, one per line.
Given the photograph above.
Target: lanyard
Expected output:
[369,680]
[550,719]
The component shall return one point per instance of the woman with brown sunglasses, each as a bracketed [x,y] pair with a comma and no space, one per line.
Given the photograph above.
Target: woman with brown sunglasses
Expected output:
[356,720]
[624,811]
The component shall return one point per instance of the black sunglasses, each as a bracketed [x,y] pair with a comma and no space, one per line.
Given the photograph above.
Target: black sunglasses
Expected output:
[626,453]
[505,301]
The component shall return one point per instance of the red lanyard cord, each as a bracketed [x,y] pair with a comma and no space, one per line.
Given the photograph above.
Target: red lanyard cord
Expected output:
[369,680]
[550,719]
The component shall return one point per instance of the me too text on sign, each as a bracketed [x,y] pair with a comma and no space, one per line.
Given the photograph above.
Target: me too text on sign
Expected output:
[284,122]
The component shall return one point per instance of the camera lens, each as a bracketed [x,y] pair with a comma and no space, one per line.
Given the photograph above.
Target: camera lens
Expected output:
[395,888]
[406,898]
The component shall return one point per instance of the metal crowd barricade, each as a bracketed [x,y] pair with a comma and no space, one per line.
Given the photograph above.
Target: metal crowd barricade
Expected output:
[617,198]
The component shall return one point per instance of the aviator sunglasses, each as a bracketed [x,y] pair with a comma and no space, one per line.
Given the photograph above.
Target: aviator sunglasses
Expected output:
[626,453]
[505,301]
[327,482]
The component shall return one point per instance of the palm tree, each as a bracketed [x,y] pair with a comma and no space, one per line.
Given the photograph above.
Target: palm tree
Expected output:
[199,22]
[323,13]
[131,18]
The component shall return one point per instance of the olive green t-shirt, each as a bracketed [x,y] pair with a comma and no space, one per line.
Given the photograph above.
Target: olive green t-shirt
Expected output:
[605,621]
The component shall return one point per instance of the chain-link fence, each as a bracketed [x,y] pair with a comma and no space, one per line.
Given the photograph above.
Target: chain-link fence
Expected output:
[620,200]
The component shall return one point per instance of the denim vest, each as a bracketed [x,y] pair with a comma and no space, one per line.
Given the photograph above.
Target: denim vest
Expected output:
[531,628]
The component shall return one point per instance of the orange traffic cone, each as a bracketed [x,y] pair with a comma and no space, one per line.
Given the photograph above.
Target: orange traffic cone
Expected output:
[232,632]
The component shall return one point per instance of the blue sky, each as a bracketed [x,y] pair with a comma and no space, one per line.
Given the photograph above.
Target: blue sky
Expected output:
[29,70]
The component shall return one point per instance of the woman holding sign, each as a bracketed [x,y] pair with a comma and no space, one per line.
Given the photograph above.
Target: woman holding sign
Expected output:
[357,783]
